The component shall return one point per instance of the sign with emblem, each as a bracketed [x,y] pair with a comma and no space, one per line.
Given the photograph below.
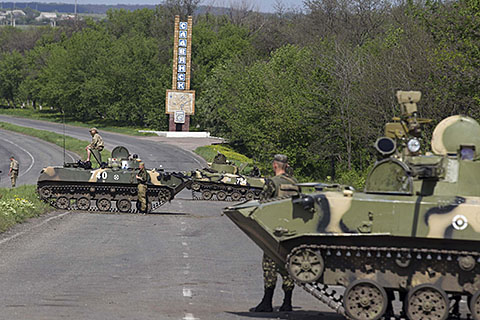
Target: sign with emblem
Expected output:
[179,116]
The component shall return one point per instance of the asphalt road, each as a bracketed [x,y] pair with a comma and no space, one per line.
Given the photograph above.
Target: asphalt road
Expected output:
[33,155]
[152,150]
[184,262]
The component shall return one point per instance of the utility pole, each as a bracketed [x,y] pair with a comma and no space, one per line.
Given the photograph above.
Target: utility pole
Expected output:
[75,9]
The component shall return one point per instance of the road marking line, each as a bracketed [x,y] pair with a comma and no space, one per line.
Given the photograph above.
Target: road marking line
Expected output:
[187,292]
[189,316]
[36,226]
[184,244]
[24,150]
[185,255]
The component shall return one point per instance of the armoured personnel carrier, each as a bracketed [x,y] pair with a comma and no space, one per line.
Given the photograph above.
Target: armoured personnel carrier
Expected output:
[413,233]
[113,187]
[222,181]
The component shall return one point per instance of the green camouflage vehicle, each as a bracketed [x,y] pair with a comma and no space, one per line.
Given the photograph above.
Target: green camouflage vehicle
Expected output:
[112,187]
[413,233]
[223,180]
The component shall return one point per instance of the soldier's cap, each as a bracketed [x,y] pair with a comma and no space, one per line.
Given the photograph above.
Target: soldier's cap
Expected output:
[280,158]
[93,129]
[12,157]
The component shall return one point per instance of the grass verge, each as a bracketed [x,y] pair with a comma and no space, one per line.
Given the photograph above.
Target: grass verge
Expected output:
[209,152]
[71,144]
[55,116]
[19,204]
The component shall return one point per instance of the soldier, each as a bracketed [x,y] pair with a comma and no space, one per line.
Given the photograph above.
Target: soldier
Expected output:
[280,185]
[95,147]
[142,178]
[13,173]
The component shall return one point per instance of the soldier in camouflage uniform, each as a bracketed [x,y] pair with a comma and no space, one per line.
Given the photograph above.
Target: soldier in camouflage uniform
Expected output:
[142,178]
[13,173]
[95,147]
[280,185]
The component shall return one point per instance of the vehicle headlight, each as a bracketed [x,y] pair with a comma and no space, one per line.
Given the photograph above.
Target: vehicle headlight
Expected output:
[413,145]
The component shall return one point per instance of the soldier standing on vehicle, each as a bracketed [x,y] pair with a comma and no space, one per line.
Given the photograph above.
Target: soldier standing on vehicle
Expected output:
[13,173]
[280,185]
[95,147]
[142,178]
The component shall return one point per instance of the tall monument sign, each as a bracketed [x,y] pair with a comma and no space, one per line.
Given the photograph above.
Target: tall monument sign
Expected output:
[180,100]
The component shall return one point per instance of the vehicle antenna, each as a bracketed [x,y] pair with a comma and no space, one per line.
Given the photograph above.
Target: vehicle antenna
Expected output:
[63,114]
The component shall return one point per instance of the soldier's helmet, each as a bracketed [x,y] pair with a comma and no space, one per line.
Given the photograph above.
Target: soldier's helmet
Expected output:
[455,134]
[280,158]
[93,129]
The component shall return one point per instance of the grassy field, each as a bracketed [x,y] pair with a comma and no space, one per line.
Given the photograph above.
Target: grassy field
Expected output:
[19,204]
[54,116]
[209,152]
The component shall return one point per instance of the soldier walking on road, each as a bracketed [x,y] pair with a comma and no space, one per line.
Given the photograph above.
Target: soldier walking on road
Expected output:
[95,147]
[13,173]
[142,178]
[280,185]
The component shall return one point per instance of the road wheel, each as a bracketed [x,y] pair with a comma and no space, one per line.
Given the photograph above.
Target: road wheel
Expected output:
[305,265]
[427,301]
[236,196]
[475,305]
[45,192]
[83,203]
[365,300]
[62,203]
[207,195]
[195,186]
[221,195]
[104,204]
[124,205]
[250,195]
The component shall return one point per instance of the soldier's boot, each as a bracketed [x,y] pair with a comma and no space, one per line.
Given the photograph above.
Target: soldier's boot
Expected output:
[266,303]
[287,301]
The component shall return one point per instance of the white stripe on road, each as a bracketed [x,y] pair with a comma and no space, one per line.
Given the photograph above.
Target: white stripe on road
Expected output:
[189,316]
[29,154]
[36,226]
[187,292]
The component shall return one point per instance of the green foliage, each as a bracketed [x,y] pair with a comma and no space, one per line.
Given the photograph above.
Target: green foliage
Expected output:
[19,204]
[270,107]
[11,75]
[209,152]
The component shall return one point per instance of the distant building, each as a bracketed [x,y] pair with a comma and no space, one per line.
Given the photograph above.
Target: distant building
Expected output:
[8,17]
[48,16]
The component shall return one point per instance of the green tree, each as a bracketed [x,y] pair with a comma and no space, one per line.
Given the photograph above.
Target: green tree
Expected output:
[11,75]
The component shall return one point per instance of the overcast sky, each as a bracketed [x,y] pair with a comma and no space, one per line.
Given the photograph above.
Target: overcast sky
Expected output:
[262,5]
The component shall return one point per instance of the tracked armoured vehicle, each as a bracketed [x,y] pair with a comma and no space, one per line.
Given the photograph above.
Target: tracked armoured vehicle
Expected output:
[413,233]
[222,181]
[113,187]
